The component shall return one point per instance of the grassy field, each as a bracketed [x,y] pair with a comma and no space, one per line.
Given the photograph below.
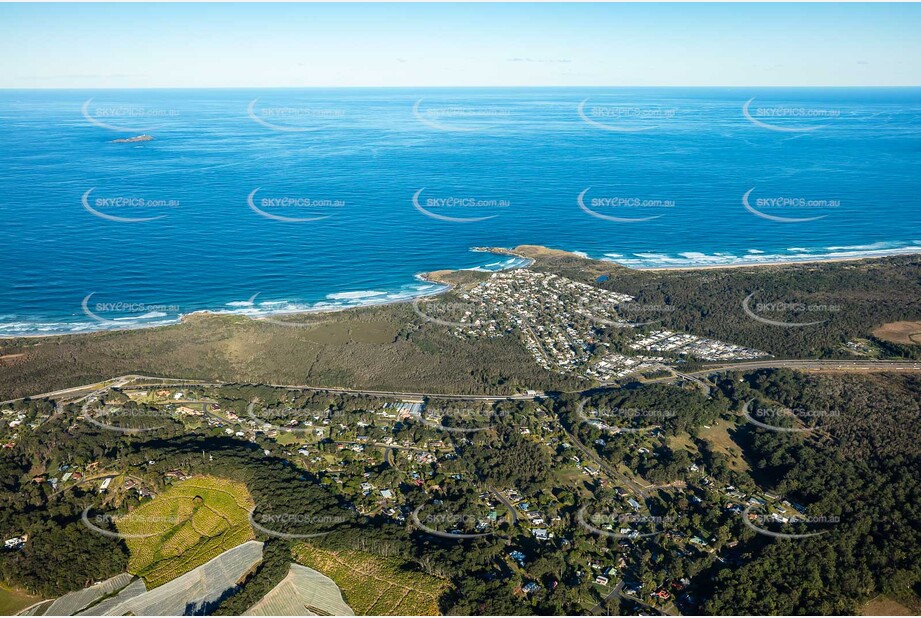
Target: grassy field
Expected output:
[382,348]
[721,442]
[886,606]
[392,348]
[375,586]
[194,521]
[907,333]
[12,601]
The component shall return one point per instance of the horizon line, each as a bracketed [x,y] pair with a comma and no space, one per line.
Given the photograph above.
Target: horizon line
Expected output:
[491,87]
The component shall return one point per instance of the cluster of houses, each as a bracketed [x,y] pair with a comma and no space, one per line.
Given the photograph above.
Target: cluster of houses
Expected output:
[692,345]
[12,422]
[557,319]
[613,366]
[555,315]
[68,474]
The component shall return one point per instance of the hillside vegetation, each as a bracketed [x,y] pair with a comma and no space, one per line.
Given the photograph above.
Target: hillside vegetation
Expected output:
[185,527]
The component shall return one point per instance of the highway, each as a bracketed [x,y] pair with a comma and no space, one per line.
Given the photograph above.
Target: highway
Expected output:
[141,381]
[843,365]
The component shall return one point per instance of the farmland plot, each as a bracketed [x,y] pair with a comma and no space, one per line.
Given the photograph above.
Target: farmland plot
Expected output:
[373,585]
[185,527]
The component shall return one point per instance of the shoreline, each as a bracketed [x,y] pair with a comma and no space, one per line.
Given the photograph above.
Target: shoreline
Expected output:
[808,262]
[433,277]
[427,277]
[811,260]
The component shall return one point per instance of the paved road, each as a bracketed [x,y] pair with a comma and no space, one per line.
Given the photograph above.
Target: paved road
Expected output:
[634,487]
[614,594]
[847,365]
[513,512]
[839,365]
[176,382]
[844,365]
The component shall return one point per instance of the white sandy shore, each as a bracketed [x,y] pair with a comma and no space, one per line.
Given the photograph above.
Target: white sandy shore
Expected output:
[447,286]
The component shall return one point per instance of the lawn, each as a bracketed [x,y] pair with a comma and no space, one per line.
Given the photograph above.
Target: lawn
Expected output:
[191,523]
[721,442]
[12,601]
[373,585]
[887,606]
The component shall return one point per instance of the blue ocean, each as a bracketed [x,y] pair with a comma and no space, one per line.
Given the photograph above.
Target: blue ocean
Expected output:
[265,201]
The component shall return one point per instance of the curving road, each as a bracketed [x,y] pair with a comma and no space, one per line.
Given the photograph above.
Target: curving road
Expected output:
[842,365]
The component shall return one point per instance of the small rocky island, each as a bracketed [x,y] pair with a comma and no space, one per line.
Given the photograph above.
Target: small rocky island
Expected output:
[132,140]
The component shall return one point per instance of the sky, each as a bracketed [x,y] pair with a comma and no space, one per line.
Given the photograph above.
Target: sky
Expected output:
[444,45]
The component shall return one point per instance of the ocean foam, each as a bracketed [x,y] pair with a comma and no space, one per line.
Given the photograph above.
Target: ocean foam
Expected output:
[355,295]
